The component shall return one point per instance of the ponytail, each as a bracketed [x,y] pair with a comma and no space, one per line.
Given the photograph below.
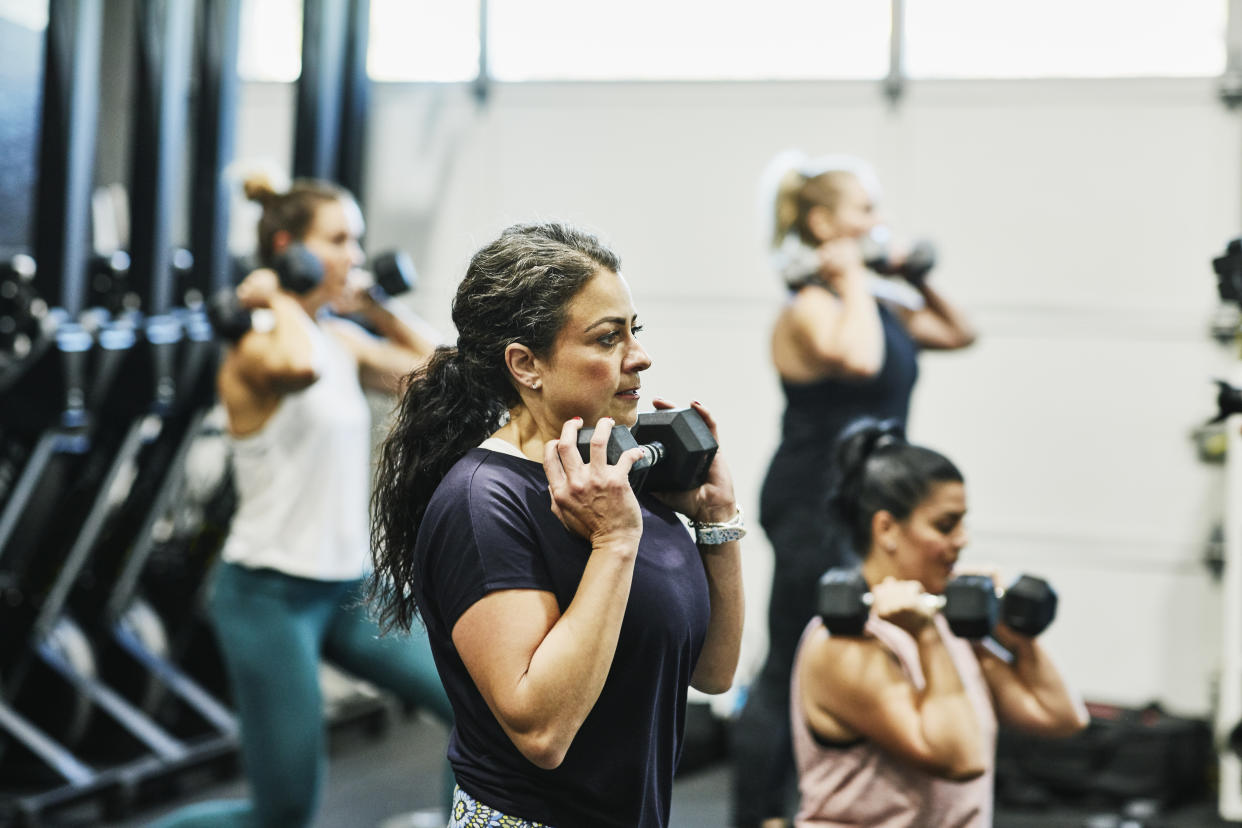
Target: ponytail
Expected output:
[445,411]
[879,471]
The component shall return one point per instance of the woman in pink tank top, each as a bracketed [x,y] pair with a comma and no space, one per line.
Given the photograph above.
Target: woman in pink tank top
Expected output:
[897,727]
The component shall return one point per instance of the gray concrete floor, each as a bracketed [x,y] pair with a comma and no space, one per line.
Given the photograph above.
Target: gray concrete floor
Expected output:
[379,781]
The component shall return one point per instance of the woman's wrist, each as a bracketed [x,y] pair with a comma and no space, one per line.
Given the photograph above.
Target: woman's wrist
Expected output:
[622,544]
[716,513]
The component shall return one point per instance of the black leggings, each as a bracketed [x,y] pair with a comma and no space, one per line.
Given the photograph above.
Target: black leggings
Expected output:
[806,542]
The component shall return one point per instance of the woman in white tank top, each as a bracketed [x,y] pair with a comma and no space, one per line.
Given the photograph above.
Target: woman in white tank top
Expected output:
[897,727]
[289,586]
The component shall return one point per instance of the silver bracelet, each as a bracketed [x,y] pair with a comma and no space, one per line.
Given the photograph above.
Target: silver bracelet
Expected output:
[714,534]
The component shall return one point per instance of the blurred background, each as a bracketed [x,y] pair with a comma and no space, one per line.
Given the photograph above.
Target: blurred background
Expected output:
[1077,164]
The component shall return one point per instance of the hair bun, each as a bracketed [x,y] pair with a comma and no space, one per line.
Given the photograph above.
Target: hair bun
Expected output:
[863,437]
[855,446]
[258,187]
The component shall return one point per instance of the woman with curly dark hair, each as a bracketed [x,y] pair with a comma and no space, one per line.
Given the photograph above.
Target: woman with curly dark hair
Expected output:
[567,615]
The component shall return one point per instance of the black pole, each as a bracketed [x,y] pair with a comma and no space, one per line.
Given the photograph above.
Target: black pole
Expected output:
[356,101]
[67,151]
[317,137]
[214,138]
[162,78]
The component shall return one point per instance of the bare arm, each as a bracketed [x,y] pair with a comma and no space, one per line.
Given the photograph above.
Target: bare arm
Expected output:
[857,686]
[939,325]
[717,662]
[1030,693]
[839,335]
[715,502]
[276,357]
[405,341]
[540,671]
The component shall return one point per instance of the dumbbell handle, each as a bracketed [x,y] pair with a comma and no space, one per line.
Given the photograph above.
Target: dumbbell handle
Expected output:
[652,453]
[933,603]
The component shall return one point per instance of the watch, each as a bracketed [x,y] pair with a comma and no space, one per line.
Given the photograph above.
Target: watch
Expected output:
[713,534]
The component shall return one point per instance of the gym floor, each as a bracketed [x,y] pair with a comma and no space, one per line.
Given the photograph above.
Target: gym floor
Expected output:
[390,780]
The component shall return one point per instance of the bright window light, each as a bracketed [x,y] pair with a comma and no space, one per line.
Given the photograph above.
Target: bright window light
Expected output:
[25,13]
[424,40]
[1064,38]
[270,44]
[687,39]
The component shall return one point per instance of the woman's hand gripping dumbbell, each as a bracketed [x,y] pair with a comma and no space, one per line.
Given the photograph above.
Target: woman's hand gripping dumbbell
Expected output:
[971,604]
[678,449]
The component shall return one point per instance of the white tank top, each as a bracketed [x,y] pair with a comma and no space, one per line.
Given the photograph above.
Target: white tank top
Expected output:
[303,478]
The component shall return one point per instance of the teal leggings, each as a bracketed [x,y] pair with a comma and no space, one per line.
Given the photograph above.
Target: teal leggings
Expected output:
[272,629]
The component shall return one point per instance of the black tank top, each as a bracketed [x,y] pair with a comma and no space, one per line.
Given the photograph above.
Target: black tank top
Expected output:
[815,413]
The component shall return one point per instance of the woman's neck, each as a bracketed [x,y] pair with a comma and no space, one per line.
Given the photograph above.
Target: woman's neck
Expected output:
[523,431]
[876,569]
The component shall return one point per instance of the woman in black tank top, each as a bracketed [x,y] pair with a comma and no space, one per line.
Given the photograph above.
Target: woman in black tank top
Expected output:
[845,346]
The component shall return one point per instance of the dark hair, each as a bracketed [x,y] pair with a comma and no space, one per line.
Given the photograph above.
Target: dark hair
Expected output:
[879,470]
[516,290]
[292,211]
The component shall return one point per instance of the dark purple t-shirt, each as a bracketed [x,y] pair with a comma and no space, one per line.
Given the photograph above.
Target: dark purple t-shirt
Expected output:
[489,526]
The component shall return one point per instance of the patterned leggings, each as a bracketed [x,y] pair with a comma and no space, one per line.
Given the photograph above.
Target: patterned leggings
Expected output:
[468,812]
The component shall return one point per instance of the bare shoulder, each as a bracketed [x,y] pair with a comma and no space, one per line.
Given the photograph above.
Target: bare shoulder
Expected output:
[852,664]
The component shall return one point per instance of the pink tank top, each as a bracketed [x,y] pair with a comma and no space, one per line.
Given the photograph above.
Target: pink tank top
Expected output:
[861,785]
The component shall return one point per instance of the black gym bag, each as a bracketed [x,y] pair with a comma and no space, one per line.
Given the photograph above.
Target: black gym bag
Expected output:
[1124,754]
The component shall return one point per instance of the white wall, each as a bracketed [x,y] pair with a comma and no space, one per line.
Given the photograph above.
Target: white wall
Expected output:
[1075,220]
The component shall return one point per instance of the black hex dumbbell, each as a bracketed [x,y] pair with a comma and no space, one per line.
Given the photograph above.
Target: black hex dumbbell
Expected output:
[1028,605]
[878,257]
[971,604]
[394,274]
[678,449]
[297,269]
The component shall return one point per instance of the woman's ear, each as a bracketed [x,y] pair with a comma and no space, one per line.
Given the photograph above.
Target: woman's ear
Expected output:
[884,530]
[523,367]
[280,240]
[820,223]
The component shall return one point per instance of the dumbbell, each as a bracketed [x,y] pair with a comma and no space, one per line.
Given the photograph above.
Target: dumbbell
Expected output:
[1228,401]
[971,604]
[394,274]
[300,271]
[877,256]
[677,445]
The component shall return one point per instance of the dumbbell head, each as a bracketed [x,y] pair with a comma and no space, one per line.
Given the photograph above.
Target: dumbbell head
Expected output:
[228,318]
[971,606]
[620,440]
[298,269]
[1029,605]
[842,601]
[919,262]
[394,273]
[688,448]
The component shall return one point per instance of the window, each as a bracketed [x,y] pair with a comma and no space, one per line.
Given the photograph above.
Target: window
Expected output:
[424,40]
[687,39]
[1064,38]
[25,14]
[270,44]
